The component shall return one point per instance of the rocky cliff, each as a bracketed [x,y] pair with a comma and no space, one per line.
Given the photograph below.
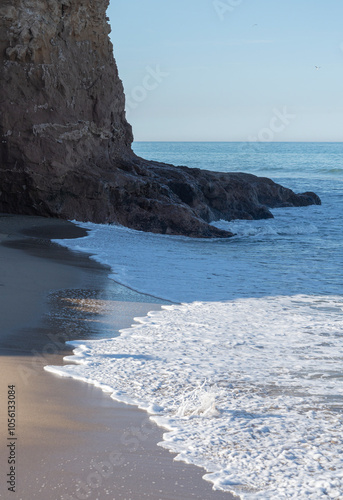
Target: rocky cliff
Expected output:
[66,145]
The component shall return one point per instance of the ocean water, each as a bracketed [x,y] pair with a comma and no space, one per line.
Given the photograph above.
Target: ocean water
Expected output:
[244,368]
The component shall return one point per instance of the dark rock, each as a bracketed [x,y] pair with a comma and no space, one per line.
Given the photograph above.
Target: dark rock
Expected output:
[66,144]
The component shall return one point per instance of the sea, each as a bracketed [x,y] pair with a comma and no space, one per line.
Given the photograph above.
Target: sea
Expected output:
[243,366]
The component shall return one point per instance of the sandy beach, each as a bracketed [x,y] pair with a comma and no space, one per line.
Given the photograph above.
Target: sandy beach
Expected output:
[72,440]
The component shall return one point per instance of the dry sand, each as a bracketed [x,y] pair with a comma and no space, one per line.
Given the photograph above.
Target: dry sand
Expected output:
[73,441]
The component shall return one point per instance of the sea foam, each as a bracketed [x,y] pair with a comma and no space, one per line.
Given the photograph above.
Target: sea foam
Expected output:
[250,389]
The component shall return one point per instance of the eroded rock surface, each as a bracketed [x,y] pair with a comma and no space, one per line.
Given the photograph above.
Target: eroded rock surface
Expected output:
[66,145]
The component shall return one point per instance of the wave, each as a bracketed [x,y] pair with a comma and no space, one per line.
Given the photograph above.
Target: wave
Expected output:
[181,269]
[266,228]
[250,389]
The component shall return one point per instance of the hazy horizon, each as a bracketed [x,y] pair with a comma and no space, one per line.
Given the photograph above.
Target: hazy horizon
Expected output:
[262,142]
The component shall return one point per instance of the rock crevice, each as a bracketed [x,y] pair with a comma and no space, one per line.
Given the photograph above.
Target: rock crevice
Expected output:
[66,145]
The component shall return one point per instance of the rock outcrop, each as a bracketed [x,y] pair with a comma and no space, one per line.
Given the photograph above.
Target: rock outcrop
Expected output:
[66,144]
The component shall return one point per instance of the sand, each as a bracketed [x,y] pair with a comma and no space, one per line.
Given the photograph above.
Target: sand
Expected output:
[73,441]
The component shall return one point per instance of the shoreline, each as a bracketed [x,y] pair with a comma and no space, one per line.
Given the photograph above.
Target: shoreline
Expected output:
[74,440]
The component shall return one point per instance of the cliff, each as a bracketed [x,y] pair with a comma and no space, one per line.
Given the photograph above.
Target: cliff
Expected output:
[66,144]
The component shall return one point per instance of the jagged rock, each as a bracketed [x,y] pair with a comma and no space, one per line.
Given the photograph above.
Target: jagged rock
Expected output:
[66,144]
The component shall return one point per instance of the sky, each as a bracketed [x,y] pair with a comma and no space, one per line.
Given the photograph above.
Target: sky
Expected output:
[231,70]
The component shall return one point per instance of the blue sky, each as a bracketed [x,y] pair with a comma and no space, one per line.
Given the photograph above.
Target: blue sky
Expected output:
[231,70]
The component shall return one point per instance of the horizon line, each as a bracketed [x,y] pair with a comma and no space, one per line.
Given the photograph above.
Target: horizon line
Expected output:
[249,142]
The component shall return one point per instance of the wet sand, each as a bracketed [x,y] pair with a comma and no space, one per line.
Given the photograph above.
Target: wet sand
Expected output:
[73,441]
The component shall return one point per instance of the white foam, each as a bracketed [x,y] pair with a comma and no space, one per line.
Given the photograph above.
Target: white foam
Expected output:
[269,227]
[251,389]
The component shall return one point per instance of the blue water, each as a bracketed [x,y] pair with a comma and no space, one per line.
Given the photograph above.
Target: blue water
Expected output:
[301,249]
[280,160]
[247,373]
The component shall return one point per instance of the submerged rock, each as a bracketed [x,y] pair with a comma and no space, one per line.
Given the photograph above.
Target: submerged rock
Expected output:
[66,145]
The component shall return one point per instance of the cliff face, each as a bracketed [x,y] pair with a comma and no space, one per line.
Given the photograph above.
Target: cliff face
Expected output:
[62,102]
[66,145]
